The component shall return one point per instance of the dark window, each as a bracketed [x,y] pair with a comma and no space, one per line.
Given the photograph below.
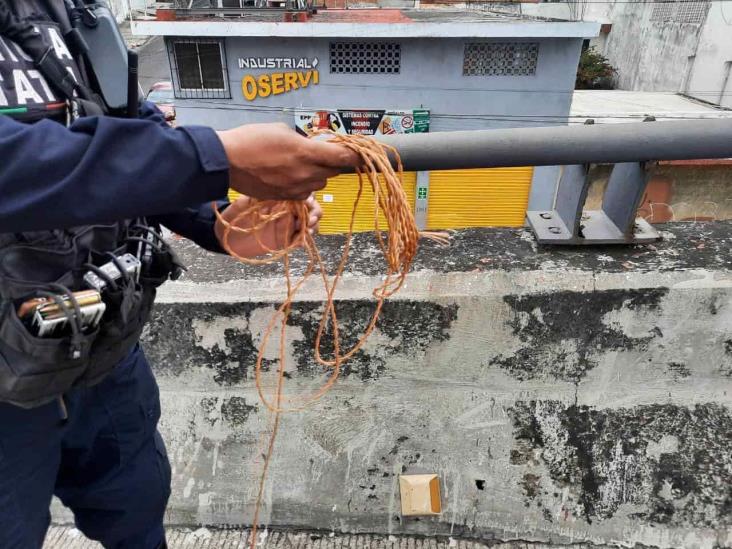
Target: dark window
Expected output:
[365,57]
[199,68]
[500,58]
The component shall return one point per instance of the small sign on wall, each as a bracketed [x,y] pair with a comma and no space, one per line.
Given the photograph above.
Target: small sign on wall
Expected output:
[364,122]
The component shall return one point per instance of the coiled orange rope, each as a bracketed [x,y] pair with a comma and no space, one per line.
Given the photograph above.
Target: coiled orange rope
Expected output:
[398,247]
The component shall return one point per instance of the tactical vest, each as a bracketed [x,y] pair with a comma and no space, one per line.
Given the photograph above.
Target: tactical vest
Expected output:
[36,370]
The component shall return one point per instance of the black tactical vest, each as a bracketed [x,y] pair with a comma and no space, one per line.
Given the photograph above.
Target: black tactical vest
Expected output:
[35,370]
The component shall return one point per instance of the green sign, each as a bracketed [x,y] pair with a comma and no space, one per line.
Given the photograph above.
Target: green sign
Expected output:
[421,193]
[421,121]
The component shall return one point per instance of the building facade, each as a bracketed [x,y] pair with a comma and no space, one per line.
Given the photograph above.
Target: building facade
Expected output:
[675,47]
[385,71]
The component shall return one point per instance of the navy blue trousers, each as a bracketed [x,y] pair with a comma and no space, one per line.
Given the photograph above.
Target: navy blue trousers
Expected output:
[106,462]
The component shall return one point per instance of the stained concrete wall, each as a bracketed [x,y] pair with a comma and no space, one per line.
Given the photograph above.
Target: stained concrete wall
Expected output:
[121,8]
[692,57]
[650,55]
[564,396]
[710,78]
[694,192]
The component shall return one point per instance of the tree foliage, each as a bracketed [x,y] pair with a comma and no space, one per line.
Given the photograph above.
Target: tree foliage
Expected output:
[594,72]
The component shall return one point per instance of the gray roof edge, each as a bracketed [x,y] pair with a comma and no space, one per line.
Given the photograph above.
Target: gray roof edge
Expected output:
[420,29]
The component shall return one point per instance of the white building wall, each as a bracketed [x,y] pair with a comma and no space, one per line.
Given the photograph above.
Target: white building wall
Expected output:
[690,58]
[572,11]
[710,78]
[121,8]
[597,12]
[650,55]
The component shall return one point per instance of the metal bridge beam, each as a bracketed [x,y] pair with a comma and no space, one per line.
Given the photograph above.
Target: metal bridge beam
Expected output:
[564,145]
[632,148]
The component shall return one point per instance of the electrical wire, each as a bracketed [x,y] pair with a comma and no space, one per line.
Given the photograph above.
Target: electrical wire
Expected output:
[236,84]
[398,246]
[527,119]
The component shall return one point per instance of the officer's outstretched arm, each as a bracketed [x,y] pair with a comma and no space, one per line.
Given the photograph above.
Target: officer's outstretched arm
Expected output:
[104,169]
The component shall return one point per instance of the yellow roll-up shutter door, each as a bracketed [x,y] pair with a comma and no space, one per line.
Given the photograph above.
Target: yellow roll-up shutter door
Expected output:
[457,198]
[478,198]
[337,201]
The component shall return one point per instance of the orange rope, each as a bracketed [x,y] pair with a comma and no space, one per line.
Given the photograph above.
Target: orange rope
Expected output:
[398,248]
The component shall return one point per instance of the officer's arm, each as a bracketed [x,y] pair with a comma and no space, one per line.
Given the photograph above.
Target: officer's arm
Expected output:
[196,223]
[102,169]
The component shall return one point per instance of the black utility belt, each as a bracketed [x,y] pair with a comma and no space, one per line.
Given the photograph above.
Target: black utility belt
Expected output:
[58,335]
[55,314]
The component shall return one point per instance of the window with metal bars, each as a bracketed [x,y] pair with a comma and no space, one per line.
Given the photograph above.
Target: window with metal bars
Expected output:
[199,68]
[365,57]
[500,58]
[683,11]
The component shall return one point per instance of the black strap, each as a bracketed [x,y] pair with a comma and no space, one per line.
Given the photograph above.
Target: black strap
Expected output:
[73,315]
[32,42]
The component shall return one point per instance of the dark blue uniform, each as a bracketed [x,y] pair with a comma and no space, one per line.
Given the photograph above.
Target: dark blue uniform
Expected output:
[102,455]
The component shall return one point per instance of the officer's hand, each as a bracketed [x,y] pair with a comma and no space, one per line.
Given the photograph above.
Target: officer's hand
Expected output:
[273,235]
[271,161]
[315,213]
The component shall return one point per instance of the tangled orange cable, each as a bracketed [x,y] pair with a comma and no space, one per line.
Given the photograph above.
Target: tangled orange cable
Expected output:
[398,247]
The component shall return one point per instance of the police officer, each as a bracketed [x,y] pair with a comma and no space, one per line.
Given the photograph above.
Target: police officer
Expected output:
[78,190]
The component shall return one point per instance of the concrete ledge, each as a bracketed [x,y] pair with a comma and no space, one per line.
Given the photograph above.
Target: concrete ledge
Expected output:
[66,537]
[562,395]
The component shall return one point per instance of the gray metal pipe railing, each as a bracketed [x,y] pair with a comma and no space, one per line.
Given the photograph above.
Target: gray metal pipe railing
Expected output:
[565,145]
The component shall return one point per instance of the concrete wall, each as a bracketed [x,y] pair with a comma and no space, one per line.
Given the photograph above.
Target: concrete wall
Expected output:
[562,395]
[571,11]
[683,192]
[693,58]
[121,8]
[710,78]
[650,55]
[600,12]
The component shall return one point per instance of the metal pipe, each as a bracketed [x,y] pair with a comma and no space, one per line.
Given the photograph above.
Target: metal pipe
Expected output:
[564,145]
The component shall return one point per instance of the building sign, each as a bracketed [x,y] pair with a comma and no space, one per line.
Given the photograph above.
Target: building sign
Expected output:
[365,122]
[278,62]
[276,83]
[303,73]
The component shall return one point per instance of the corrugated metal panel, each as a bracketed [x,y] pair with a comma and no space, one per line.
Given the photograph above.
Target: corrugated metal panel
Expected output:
[233,195]
[337,201]
[478,198]
[458,198]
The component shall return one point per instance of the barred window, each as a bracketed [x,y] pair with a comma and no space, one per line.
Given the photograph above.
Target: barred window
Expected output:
[663,11]
[365,57]
[199,68]
[682,11]
[500,58]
